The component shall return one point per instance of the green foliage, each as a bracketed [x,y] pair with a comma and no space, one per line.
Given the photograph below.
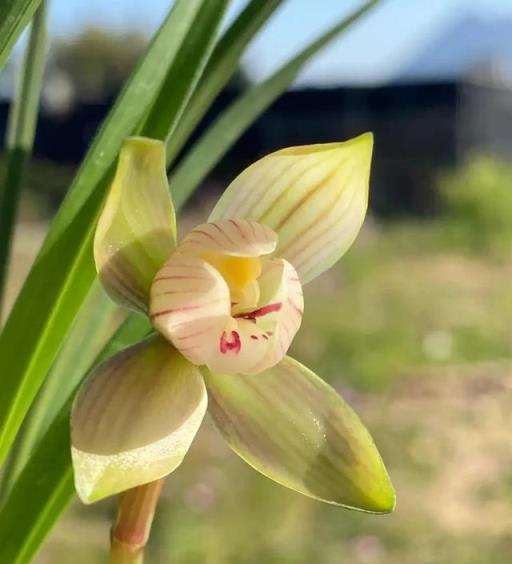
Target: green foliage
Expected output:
[232,123]
[477,205]
[20,135]
[15,16]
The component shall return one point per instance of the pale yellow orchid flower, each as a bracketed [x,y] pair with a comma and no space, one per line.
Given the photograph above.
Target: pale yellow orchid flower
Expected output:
[226,303]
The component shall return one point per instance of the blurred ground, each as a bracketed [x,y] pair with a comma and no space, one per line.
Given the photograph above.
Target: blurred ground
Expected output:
[415,333]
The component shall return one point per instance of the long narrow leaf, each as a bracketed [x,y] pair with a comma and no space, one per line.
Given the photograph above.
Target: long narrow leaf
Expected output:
[14,17]
[180,82]
[230,125]
[63,271]
[20,135]
[222,65]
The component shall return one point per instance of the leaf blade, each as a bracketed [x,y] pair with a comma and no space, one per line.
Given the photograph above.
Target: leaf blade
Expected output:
[16,14]
[20,134]
[220,68]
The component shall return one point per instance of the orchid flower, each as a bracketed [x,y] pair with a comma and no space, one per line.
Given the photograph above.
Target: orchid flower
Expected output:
[226,302]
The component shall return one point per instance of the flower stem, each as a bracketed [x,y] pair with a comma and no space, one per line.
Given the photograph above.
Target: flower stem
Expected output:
[131,530]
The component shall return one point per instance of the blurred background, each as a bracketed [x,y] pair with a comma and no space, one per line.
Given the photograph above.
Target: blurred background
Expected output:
[412,327]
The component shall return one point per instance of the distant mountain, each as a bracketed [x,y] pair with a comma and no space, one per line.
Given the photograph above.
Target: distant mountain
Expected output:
[465,46]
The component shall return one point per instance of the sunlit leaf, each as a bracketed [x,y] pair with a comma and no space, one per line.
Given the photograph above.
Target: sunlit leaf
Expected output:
[63,271]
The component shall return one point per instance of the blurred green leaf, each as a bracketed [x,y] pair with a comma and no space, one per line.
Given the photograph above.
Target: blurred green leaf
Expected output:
[20,135]
[232,123]
[14,16]
[63,271]
[45,486]
[295,429]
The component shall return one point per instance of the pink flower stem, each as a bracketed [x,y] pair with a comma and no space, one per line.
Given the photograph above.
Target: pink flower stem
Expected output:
[131,530]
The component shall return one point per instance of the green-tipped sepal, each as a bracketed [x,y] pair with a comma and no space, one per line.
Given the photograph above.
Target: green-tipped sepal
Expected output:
[295,429]
[314,197]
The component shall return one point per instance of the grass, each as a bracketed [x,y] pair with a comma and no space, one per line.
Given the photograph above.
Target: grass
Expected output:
[415,334]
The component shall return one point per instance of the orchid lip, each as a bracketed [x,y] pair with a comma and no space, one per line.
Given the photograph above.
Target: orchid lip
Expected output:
[231,311]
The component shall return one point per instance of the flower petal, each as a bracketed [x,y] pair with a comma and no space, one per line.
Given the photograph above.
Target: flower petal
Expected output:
[314,197]
[134,419]
[136,231]
[190,302]
[293,428]
[232,237]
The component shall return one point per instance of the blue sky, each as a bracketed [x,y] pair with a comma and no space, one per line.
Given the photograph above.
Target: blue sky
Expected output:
[372,51]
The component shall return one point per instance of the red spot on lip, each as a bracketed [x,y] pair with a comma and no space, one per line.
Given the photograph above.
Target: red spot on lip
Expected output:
[260,312]
[231,344]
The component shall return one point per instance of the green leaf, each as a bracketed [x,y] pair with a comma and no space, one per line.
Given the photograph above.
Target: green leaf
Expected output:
[39,496]
[180,82]
[20,135]
[232,123]
[295,429]
[222,65]
[63,271]
[14,17]
[45,486]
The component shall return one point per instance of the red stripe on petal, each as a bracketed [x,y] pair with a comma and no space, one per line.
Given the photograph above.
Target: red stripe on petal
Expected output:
[260,312]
